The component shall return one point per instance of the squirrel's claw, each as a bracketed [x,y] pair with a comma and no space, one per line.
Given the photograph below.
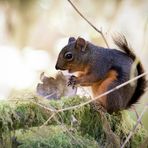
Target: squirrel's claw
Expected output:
[72,81]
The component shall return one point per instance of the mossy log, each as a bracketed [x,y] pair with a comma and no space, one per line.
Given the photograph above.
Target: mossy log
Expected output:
[80,127]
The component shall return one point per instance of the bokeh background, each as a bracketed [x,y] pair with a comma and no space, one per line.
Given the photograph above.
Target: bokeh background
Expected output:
[32,32]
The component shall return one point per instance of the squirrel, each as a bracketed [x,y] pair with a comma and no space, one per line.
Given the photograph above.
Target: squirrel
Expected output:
[103,69]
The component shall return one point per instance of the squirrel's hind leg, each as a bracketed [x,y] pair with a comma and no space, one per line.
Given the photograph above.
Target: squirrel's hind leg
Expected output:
[102,87]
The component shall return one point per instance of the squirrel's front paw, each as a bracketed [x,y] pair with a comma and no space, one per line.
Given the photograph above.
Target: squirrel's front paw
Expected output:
[72,81]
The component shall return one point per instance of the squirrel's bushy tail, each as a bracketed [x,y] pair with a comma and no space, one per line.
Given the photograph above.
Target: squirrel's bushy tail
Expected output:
[121,42]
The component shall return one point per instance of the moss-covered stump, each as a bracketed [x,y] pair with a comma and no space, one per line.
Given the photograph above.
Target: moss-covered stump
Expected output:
[53,137]
[71,128]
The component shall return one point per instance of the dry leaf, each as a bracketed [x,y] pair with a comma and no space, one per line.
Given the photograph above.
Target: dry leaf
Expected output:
[55,88]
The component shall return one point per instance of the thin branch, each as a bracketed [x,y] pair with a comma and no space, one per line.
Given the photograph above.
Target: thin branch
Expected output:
[102,95]
[136,125]
[99,31]
[47,108]
[46,122]
[137,115]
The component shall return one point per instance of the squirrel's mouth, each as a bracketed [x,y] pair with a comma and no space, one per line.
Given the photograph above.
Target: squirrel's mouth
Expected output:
[70,71]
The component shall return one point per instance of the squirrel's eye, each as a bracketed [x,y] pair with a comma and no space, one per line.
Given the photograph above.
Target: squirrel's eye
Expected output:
[68,56]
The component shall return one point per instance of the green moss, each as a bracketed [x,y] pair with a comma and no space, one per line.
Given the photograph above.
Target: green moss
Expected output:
[20,115]
[7,114]
[122,124]
[83,121]
[53,137]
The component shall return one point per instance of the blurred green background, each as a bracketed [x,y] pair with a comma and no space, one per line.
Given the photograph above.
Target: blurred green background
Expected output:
[32,32]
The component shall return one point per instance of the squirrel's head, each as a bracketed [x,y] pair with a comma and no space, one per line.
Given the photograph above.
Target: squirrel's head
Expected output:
[72,55]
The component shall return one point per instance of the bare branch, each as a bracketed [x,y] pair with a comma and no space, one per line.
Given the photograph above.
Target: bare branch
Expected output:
[45,123]
[43,106]
[102,95]
[137,115]
[136,125]
[99,31]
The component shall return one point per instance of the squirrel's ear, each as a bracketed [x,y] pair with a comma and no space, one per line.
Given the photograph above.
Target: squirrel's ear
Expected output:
[81,44]
[71,39]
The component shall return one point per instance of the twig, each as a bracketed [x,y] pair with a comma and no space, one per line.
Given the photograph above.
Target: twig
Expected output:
[45,123]
[135,127]
[137,115]
[102,95]
[99,31]
[47,108]
[80,142]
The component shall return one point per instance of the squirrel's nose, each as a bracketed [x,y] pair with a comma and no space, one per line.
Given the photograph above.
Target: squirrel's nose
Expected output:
[57,67]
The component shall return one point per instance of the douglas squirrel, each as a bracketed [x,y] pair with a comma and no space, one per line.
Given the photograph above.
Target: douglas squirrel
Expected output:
[103,69]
